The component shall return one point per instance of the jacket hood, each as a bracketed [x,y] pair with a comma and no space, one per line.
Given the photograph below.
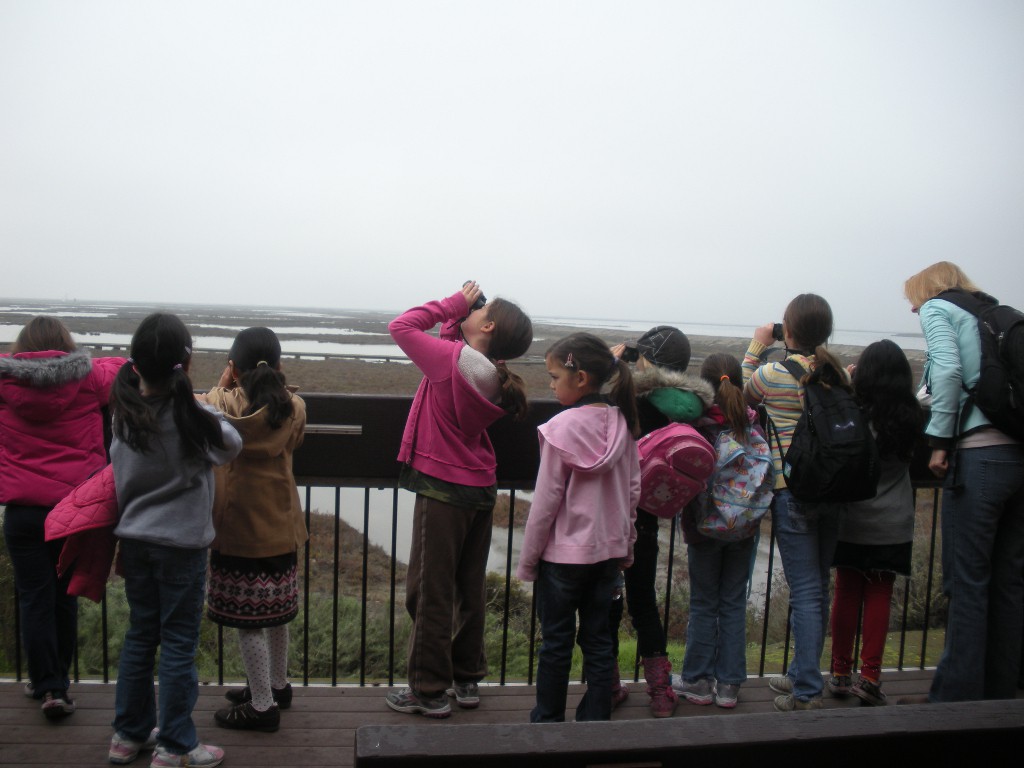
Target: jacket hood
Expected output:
[672,392]
[589,438]
[259,439]
[39,386]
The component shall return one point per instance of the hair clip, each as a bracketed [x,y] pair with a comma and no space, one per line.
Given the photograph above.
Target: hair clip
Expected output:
[569,362]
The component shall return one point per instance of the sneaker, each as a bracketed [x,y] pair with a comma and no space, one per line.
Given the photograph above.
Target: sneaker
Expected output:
[123,750]
[245,717]
[30,691]
[282,696]
[839,685]
[790,703]
[407,700]
[869,692]
[466,695]
[781,684]
[203,756]
[698,692]
[726,695]
[57,704]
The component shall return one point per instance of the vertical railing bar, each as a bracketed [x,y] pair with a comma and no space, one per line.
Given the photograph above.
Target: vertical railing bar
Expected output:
[106,638]
[366,565]
[767,598]
[508,586]
[394,578]
[335,598]
[220,654]
[305,590]
[903,623]
[533,634]
[931,577]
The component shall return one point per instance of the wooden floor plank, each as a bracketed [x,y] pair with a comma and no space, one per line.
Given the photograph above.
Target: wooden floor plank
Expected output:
[319,728]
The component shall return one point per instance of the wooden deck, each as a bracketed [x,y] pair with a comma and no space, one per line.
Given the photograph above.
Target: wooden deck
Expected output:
[320,727]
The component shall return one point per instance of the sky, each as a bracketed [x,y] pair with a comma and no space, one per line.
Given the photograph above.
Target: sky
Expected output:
[672,161]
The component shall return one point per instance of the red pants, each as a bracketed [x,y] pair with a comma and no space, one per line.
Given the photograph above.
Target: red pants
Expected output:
[873,590]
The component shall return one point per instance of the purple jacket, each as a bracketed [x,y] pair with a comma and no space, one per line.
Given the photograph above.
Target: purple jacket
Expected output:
[588,485]
[51,423]
[446,433]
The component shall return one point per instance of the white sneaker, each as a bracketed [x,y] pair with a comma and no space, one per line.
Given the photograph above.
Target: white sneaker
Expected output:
[697,692]
[203,756]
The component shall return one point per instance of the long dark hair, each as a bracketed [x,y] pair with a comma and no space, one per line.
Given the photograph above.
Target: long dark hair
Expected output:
[884,385]
[160,353]
[586,352]
[724,373]
[256,353]
[511,338]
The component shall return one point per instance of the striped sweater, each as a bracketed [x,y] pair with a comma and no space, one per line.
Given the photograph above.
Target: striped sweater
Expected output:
[771,385]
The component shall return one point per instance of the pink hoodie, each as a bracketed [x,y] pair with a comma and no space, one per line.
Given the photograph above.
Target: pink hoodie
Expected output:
[446,432]
[587,490]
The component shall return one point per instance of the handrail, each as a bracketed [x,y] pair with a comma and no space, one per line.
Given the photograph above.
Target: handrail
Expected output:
[350,446]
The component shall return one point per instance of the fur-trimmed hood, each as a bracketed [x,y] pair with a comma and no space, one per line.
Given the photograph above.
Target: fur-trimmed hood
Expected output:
[651,379]
[40,385]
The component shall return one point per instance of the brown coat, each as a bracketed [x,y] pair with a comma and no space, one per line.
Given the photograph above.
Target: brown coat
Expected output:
[256,512]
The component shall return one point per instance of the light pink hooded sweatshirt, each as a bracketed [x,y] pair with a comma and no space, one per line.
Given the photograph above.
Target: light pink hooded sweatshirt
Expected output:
[587,490]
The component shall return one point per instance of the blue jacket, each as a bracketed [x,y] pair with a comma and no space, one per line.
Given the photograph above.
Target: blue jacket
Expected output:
[953,366]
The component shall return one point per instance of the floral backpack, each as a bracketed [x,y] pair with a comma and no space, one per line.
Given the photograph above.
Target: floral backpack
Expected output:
[740,491]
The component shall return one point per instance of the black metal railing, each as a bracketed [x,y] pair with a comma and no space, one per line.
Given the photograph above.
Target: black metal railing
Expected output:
[351,443]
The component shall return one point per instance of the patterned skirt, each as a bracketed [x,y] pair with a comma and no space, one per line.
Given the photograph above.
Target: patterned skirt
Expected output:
[251,593]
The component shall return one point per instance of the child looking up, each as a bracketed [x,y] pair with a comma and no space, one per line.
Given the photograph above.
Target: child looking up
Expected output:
[580,531]
[258,520]
[449,464]
[164,448]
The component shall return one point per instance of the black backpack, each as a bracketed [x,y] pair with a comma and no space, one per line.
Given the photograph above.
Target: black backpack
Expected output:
[833,457]
[999,391]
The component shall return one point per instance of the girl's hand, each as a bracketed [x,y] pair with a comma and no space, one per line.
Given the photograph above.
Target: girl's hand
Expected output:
[471,291]
[939,463]
[227,379]
[763,334]
[617,351]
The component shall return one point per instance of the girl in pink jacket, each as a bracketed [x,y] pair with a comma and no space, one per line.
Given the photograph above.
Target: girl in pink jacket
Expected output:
[52,397]
[449,463]
[580,531]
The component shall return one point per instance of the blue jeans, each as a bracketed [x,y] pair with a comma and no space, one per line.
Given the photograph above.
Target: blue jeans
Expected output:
[49,616]
[563,591]
[807,535]
[716,644]
[165,588]
[982,563]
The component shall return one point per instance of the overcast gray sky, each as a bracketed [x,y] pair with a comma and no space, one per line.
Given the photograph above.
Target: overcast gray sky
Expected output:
[691,161]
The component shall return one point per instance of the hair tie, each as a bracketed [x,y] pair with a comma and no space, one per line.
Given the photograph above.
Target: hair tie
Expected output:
[177,367]
[725,377]
[130,360]
[499,362]
[261,362]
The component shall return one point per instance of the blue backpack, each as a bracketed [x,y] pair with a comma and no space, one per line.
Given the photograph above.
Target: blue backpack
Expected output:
[740,491]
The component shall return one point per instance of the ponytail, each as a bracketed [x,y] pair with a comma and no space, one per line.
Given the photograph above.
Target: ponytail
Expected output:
[256,352]
[624,396]
[161,349]
[724,373]
[513,392]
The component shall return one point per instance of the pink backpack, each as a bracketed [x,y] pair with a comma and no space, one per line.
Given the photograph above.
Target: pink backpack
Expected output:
[675,464]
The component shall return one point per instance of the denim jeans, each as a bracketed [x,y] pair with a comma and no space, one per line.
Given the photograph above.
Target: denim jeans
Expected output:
[982,562]
[807,536]
[563,591]
[165,588]
[49,616]
[641,598]
[716,644]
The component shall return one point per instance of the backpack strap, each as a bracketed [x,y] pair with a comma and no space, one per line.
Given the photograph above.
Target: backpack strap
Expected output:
[796,370]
